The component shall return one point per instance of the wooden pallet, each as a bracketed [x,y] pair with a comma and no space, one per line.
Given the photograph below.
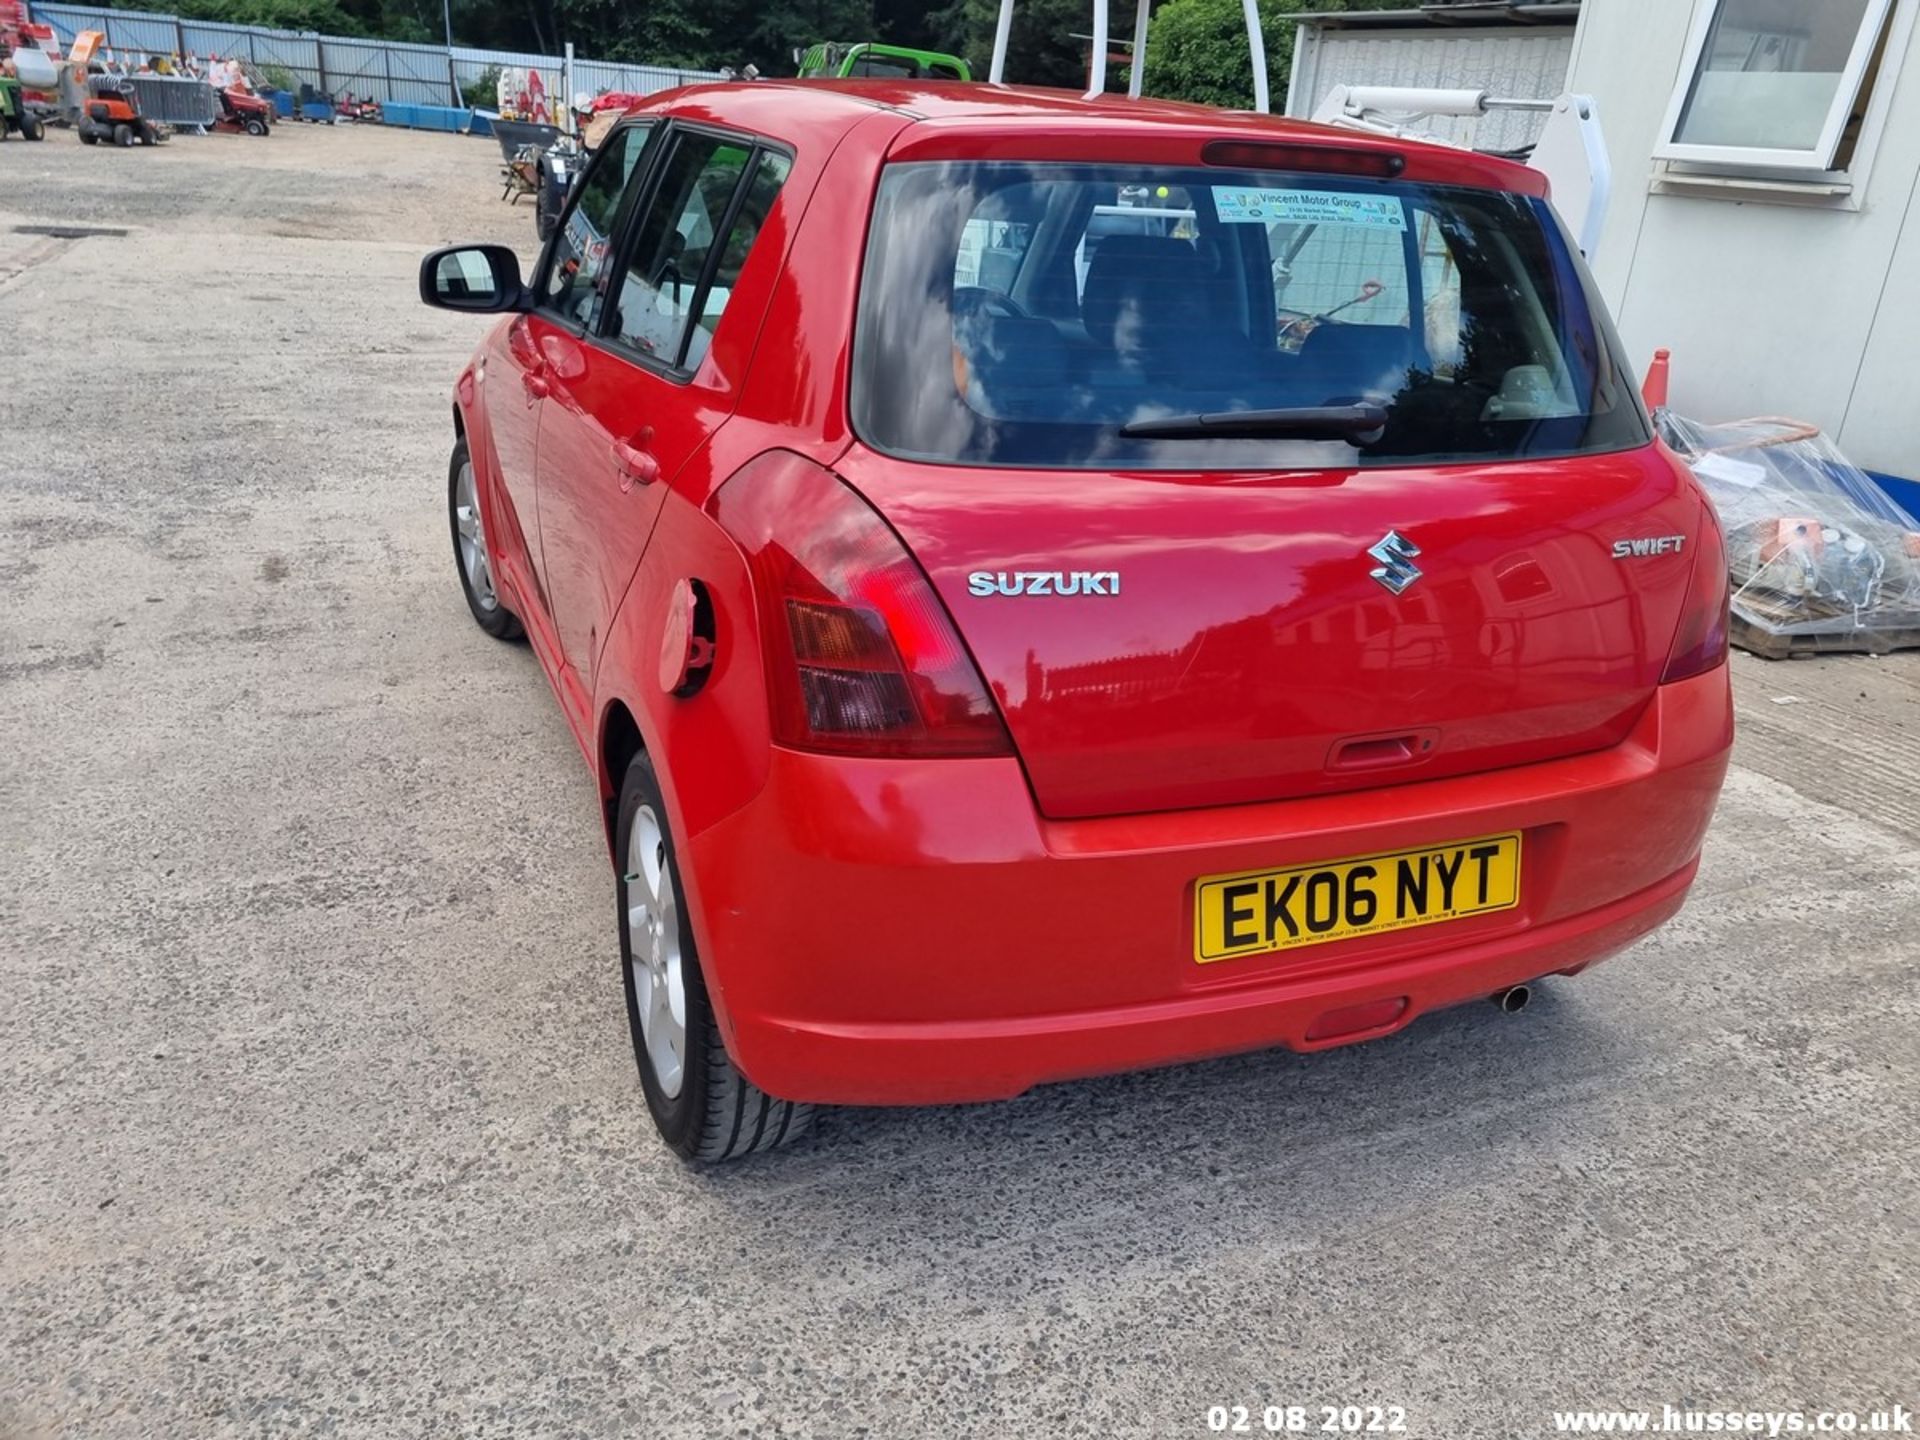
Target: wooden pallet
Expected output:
[1769,646]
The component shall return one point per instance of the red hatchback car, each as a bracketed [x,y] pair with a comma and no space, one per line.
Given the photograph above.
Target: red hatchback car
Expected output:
[1048,587]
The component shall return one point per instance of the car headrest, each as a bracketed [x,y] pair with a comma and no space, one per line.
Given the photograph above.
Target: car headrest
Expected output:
[1155,274]
[1015,365]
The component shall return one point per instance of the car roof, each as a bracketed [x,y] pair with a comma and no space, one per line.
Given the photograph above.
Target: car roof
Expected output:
[940,110]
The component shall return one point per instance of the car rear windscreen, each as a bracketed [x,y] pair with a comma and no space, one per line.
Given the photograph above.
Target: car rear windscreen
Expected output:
[1192,318]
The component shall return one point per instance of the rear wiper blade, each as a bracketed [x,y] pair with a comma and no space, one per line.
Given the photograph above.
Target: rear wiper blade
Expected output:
[1306,422]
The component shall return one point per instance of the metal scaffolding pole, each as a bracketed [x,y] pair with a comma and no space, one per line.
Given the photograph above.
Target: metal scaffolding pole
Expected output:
[997,72]
[1137,71]
[1257,46]
[1097,71]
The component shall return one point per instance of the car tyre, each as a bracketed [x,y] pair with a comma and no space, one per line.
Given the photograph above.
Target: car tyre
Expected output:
[546,216]
[32,127]
[123,135]
[470,555]
[704,1108]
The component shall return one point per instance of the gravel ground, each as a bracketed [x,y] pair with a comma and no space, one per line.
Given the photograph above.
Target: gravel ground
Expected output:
[319,1114]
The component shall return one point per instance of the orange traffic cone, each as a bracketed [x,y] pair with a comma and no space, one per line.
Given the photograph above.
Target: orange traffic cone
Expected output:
[1654,388]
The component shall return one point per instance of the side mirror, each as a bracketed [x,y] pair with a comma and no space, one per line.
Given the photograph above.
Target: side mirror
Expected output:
[479,279]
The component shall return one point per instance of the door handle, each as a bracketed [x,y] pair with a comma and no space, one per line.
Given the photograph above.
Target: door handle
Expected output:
[635,464]
[533,366]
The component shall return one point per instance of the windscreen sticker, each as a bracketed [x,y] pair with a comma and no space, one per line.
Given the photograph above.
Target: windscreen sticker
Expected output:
[1235,204]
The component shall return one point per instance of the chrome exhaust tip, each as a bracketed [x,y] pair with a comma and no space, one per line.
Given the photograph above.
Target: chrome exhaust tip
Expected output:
[1513,999]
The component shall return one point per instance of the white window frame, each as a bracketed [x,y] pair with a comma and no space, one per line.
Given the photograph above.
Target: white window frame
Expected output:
[1815,162]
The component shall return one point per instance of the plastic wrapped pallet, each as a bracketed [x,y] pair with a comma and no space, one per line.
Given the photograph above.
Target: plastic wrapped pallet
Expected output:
[1822,559]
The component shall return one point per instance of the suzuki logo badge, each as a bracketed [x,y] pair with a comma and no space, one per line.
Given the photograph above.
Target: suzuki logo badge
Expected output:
[1395,554]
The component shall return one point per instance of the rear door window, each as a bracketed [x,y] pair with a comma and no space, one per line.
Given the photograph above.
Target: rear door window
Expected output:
[1029,314]
[576,272]
[705,212]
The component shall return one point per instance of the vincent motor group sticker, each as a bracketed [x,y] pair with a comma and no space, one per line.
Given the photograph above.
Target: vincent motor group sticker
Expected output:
[1238,205]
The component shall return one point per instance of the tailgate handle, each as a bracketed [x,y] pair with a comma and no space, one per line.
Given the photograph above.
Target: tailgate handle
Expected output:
[1378,752]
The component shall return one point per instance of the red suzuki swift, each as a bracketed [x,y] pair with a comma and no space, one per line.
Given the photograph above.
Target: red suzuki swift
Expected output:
[1048,587]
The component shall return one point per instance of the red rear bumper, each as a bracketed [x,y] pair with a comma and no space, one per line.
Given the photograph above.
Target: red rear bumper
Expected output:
[888,932]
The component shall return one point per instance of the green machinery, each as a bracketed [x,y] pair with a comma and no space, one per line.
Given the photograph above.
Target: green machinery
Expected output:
[880,62]
[15,117]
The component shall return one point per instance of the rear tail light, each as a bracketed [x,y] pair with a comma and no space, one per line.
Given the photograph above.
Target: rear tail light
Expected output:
[1701,641]
[861,657]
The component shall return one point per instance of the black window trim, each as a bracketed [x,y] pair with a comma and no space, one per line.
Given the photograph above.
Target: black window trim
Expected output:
[677,372]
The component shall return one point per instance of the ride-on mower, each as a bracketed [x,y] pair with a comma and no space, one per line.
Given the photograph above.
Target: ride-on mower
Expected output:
[242,111]
[112,112]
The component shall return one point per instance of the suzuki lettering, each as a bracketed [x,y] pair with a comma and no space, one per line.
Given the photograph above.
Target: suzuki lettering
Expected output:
[1043,582]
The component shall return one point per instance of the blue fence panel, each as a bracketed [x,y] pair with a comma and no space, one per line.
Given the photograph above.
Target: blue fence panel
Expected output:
[597,76]
[356,67]
[298,55]
[420,75]
[226,41]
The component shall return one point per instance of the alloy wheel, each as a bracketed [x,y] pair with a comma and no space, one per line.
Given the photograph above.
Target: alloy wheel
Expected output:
[653,944]
[473,541]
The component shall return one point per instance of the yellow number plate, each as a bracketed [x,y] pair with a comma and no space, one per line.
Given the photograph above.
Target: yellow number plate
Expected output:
[1258,912]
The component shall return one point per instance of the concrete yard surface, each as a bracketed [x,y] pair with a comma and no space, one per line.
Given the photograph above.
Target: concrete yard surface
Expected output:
[317,1109]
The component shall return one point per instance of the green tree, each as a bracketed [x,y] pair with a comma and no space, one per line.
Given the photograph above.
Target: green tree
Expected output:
[404,25]
[323,15]
[770,32]
[1197,49]
[906,22]
[1042,50]
[483,91]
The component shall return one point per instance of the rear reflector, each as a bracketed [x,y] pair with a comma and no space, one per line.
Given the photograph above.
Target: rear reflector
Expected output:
[1294,155]
[1357,1019]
